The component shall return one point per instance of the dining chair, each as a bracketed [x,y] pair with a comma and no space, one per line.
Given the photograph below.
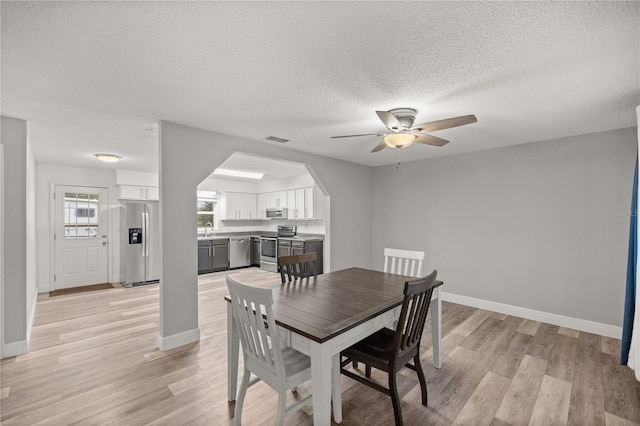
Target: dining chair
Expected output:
[403,262]
[408,262]
[280,368]
[297,266]
[389,350]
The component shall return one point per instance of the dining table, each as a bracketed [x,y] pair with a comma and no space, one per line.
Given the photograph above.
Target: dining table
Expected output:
[321,316]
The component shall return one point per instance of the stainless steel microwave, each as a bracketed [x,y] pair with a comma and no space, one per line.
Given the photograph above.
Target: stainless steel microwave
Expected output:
[276,213]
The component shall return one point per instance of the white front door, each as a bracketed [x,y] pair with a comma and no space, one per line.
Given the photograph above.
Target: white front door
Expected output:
[81,244]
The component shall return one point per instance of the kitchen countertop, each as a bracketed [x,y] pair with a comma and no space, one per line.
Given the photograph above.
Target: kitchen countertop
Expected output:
[304,237]
[299,237]
[214,237]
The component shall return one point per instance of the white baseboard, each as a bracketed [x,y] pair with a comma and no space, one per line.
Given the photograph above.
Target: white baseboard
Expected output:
[531,314]
[180,339]
[15,348]
[44,288]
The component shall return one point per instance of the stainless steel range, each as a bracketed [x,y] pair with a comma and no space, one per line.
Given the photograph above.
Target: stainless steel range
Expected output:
[269,247]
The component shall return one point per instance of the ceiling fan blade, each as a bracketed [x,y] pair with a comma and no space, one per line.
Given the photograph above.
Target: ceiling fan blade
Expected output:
[379,147]
[430,140]
[447,123]
[352,136]
[389,120]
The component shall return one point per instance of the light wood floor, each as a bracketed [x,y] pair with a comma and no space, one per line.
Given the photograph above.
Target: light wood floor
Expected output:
[93,361]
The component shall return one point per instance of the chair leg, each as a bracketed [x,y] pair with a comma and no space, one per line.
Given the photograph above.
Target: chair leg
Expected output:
[423,382]
[395,399]
[237,420]
[282,407]
[355,364]
[367,371]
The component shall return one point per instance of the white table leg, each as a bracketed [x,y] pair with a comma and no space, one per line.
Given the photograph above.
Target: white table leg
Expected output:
[336,393]
[233,351]
[436,326]
[321,363]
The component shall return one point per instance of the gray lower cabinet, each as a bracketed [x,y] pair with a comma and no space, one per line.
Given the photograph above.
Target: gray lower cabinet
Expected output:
[310,247]
[255,251]
[213,255]
[289,247]
[220,261]
[204,256]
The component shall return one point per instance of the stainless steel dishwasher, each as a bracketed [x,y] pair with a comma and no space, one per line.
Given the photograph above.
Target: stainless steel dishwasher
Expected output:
[239,252]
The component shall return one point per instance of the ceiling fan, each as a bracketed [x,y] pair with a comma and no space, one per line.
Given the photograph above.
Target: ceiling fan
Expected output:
[403,133]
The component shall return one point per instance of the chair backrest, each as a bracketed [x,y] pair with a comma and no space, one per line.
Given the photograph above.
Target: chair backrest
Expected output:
[253,314]
[415,306]
[297,266]
[403,262]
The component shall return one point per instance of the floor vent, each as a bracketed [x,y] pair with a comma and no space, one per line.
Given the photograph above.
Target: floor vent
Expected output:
[277,139]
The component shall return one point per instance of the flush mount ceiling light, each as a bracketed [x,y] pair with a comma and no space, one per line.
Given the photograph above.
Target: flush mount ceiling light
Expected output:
[108,158]
[399,140]
[238,173]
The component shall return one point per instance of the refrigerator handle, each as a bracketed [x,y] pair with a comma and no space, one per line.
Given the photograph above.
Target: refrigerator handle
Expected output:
[145,230]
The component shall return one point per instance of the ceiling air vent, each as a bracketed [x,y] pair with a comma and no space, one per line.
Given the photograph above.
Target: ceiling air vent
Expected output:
[277,139]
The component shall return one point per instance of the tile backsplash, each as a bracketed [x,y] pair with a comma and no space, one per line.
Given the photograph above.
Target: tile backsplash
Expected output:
[304,226]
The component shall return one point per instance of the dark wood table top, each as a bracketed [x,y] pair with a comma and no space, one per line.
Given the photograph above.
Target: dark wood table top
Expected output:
[330,304]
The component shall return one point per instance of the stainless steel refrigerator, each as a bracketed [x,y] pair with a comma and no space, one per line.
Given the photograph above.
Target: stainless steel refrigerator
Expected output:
[142,243]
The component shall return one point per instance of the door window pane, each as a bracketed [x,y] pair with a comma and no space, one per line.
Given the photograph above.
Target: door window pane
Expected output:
[81,219]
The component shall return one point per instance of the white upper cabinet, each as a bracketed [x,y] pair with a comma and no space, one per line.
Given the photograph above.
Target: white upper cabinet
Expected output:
[133,192]
[300,203]
[309,203]
[278,199]
[296,204]
[264,202]
[239,206]
[244,206]
[291,203]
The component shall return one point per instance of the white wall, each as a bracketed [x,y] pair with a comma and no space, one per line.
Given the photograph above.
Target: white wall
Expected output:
[223,185]
[32,237]
[13,135]
[135,178]
[187,156]
[294,182]
[2,238]
[542,226]
[49,175]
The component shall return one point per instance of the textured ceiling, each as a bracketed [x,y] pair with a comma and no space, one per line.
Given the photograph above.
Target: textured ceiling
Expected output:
[98,76]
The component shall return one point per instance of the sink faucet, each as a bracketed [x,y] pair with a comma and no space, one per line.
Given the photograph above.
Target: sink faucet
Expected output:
[208,224]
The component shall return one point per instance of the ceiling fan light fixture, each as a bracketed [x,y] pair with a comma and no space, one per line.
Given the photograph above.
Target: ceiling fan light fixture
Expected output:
[399,140]
[108,158]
